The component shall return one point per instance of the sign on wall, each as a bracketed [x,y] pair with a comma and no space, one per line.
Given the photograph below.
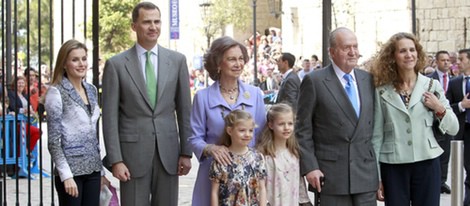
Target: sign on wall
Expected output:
[174,20]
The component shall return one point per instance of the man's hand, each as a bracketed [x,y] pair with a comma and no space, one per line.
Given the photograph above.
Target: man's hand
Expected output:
[465,101]
[313,178]
[184,165]
[121,172]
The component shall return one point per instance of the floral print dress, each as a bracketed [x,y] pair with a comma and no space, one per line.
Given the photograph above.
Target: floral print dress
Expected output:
[239,182]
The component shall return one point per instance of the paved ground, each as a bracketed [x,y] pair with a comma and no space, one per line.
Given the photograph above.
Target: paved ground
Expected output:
[22,197]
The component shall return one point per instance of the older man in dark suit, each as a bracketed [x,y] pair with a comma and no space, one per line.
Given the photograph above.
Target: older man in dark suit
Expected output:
[146,110]
[335,125]
[290,84]
[442,75]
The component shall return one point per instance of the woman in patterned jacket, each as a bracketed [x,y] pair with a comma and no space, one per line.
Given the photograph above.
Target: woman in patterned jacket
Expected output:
[72,115]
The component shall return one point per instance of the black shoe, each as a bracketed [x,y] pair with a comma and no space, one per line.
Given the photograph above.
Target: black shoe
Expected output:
[445,188]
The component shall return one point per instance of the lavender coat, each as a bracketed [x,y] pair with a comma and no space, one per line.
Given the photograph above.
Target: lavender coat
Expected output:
[207,126]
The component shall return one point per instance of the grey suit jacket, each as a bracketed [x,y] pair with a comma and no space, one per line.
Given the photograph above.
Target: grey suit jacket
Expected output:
[289,90]
[132,128]
[332,138]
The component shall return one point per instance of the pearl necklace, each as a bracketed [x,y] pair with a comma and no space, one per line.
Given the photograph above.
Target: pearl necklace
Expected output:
[230,92]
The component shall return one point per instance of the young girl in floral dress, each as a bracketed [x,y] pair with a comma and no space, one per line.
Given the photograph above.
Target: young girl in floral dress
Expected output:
[243,181]
[284,185]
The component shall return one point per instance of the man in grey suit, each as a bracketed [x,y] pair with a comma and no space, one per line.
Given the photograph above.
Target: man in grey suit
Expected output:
[146,110]
[290,85]
[335,125]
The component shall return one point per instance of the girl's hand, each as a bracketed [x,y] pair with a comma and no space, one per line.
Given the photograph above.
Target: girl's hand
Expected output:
[220,153]
[71,187]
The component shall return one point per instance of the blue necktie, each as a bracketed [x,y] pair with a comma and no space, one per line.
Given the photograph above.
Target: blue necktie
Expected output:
[352,93]
[467,90]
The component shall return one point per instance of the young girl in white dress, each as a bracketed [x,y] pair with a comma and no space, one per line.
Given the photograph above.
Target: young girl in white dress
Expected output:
[243,181]
[284,184]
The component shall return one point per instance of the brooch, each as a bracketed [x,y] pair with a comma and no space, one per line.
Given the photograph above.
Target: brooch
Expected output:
[246,95]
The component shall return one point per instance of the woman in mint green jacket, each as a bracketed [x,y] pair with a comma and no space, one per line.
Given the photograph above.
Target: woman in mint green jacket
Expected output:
[406,105]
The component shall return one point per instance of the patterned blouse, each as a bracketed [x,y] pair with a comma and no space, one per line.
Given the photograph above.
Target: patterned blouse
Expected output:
[284,184]
[239,182]
[71,126]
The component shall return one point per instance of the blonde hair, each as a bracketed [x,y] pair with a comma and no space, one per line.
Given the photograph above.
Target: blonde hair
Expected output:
[385,68]
[64,51]
[231,120]
[265,144]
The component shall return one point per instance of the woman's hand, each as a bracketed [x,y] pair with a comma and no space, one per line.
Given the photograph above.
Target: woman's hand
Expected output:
[380,192]
[71,187]
[432,102]
[220,154]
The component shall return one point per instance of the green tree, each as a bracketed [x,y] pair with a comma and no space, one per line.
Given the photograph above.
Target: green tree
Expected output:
[34,30]
[115,20]
[225,12]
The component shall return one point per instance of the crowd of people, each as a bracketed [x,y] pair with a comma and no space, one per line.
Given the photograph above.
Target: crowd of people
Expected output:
[355,135]
[21,96]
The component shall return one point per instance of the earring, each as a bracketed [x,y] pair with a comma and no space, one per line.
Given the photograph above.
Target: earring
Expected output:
[218,70]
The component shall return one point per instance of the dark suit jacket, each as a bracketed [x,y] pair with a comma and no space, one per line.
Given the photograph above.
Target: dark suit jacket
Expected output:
[332,138]
[435,76]
[132,128]
[455,95]
[289,90]
[437,134]
[15,103]
[263,86]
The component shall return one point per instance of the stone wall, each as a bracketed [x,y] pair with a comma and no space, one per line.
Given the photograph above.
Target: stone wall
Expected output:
[443,24]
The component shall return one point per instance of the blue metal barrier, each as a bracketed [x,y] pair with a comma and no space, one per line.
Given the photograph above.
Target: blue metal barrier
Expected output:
[12,145]
[35,163]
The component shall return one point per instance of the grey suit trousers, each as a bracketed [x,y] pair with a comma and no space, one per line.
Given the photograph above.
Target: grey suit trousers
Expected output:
[361,199]
[162,183]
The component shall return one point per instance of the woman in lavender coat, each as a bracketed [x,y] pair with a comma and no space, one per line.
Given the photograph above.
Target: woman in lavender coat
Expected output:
[225,63]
